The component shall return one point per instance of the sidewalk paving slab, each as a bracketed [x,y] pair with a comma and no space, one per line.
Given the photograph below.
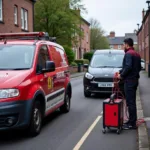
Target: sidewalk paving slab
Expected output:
[143,111]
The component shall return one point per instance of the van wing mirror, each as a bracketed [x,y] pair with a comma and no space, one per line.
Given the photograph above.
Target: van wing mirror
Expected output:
[49,67]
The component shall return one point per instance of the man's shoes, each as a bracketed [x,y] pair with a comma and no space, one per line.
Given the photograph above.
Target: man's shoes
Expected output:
[129,127]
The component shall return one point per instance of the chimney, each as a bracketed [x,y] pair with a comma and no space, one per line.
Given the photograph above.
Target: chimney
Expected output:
[143,14]
[112,34]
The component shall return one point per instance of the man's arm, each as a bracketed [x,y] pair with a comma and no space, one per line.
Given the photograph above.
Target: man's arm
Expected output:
[127,65]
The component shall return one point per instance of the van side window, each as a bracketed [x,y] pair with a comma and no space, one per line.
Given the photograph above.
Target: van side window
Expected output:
[43,56]
[63,61]
[55,56]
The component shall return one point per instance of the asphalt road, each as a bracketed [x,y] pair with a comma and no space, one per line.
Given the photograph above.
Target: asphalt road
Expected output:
[81,128]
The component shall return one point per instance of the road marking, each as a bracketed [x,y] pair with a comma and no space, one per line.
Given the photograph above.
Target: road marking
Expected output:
[80,143]
[101,112]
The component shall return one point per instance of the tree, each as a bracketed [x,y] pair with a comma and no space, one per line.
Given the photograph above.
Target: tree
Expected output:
[98,40]
[57,17]
[88,56]
[70,54]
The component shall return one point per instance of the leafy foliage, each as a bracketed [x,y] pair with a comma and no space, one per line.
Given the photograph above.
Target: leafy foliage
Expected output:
[70,54]
[59,18]
[98,40]
[82,61]
[73,64]
[88,55]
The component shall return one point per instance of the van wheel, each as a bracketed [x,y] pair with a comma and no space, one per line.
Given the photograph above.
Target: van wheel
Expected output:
[36,120]
[66,107]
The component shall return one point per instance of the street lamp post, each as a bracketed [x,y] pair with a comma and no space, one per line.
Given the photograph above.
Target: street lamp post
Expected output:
[148,2]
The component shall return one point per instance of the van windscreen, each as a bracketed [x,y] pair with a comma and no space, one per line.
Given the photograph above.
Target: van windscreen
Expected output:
[16,57]
[107,60]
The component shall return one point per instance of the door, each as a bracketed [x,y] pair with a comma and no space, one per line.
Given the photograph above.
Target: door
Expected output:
[46,79]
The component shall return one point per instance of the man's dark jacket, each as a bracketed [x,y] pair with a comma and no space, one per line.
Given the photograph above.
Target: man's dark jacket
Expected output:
[131,65]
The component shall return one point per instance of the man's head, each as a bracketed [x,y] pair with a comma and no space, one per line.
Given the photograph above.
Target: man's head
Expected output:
[128,43]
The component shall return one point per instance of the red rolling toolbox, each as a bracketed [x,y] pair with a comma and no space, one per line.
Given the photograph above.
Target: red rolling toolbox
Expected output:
[113,113]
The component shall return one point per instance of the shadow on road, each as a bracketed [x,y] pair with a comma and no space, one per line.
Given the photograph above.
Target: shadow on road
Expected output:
[100,96]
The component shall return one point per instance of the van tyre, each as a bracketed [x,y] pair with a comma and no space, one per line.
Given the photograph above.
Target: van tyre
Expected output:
[66,106]
[36,120]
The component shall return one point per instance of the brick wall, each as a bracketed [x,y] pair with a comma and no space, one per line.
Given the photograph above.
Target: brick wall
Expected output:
[8,15]
[143,41]
[85,41]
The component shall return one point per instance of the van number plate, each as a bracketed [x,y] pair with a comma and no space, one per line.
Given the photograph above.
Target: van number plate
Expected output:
[105,85]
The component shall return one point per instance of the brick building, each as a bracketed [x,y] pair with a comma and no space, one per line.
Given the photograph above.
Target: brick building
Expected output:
[16,15]
[83,43]
[116,42]
[143,38]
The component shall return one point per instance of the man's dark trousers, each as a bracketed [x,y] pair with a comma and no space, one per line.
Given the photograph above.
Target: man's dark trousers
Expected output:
[130,88]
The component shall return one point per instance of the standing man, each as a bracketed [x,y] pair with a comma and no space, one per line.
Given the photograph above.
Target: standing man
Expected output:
[130,73]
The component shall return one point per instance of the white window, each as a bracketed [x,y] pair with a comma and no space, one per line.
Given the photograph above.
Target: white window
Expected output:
[15,15]
[87,37]
[111,46]
[24,19]
[1,11]
[119,46]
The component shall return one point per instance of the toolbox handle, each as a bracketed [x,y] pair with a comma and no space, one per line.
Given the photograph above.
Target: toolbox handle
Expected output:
[112,98]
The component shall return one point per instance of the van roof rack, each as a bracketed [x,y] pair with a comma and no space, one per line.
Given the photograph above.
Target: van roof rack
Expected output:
[27,36]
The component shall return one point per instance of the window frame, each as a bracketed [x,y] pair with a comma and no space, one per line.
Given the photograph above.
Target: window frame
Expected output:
[87,37]
[15,14]
[1,10]
[24,19]
[38,56]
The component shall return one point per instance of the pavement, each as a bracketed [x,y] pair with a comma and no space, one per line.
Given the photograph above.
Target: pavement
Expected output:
[81,128]
[144,111]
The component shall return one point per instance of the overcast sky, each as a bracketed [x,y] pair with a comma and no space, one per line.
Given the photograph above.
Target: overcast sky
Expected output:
[120,16]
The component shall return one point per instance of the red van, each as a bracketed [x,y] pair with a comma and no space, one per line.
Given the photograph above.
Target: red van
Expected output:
[34,80]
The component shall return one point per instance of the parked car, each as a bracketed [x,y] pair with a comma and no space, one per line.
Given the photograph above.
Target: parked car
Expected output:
[99,77]
[143,64]
[34,80]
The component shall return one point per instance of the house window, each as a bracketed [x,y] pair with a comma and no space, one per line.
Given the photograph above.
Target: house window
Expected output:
[119,46]
[87,37]
[82,30]
[24,19]
[15,15]
[1,11]
[111,46]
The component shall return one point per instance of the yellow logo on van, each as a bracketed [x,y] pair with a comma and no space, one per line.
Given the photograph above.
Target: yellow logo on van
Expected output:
[50,83]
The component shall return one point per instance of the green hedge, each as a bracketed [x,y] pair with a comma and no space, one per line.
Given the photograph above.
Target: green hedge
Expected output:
[70,54]
[88,55]
[82,61]
[73,64]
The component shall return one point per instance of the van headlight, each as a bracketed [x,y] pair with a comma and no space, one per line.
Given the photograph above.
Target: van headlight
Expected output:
[9,93]
[89,76]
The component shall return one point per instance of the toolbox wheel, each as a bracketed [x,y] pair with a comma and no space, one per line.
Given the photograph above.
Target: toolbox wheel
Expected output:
[118,131]
[104,131]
